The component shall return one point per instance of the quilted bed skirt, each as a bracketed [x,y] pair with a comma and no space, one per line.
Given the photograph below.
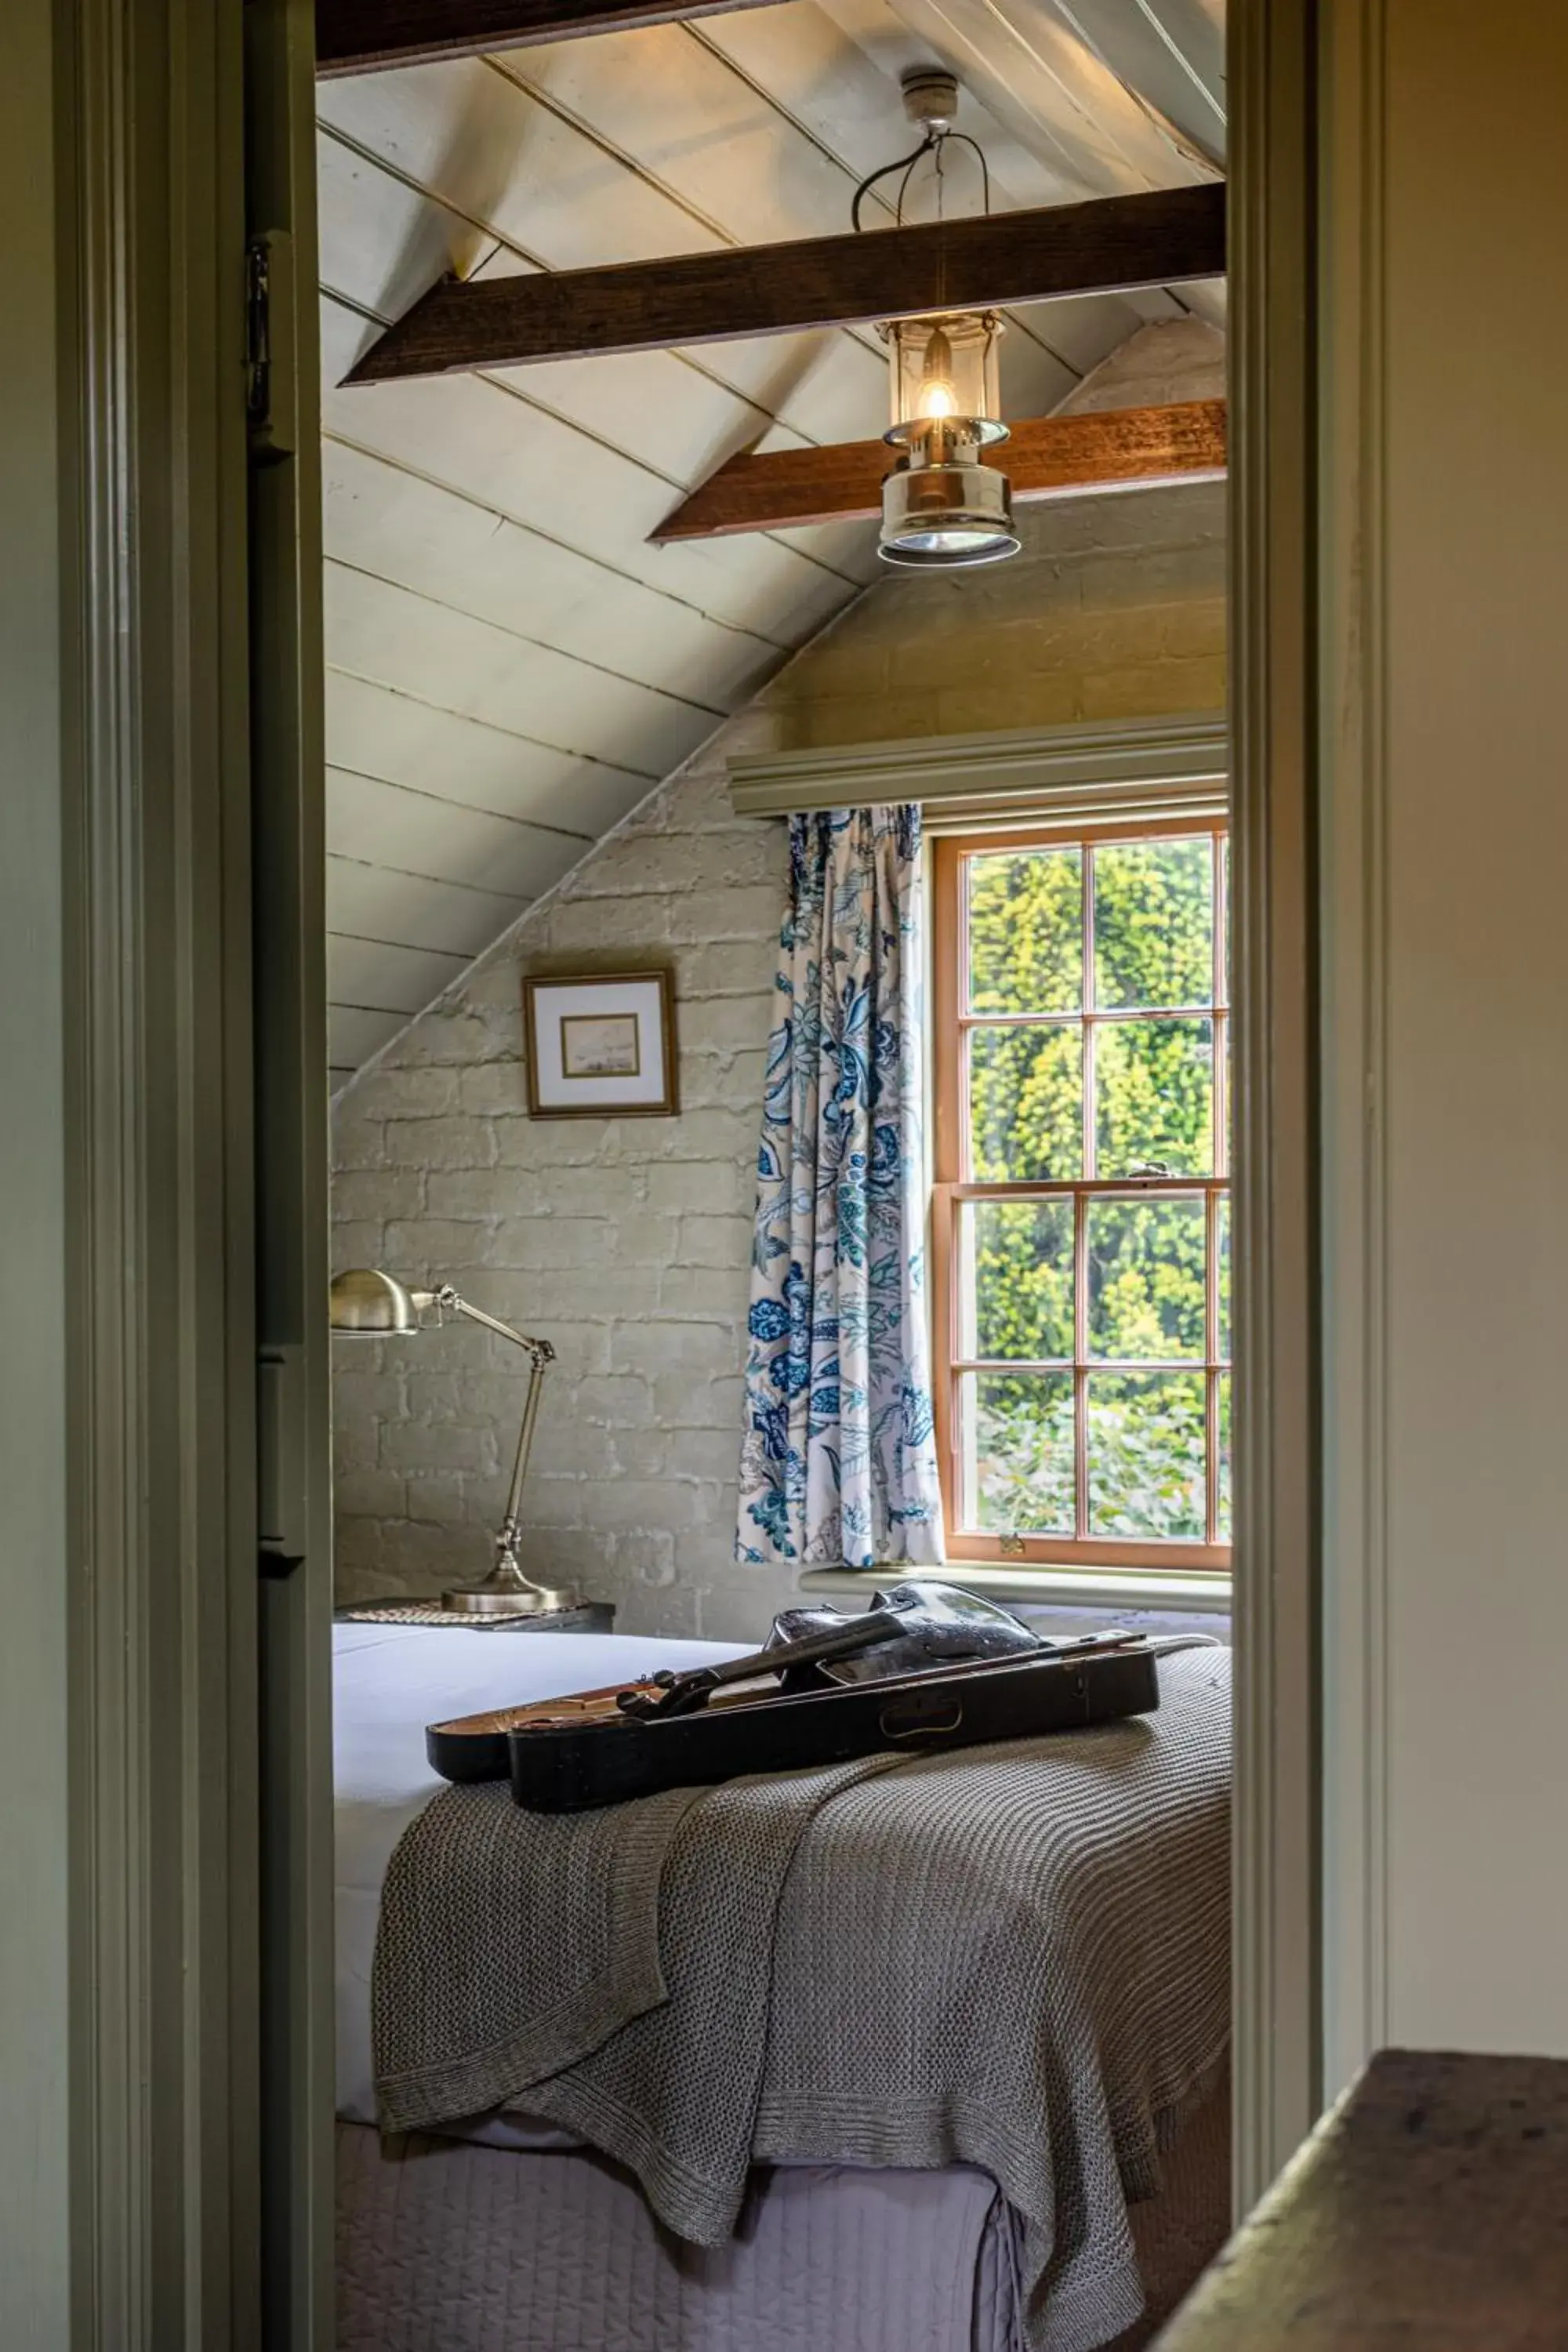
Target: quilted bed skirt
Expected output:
[446,2246]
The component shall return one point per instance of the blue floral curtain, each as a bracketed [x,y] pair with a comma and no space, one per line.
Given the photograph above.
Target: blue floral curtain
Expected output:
[838,1458]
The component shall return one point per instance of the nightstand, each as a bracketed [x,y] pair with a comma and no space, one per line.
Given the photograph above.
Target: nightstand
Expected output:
[588,1617]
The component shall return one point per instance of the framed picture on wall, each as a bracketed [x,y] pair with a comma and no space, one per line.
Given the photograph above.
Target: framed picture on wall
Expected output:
[602,1045]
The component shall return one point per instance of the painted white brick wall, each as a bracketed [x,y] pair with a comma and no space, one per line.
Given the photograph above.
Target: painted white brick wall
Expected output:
[626,1242]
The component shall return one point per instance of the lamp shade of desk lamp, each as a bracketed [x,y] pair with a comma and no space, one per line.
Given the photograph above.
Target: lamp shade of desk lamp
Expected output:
[365,1299]
[374,1304]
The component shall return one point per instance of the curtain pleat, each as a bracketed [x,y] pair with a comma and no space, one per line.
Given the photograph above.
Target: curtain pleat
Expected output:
[839,1456]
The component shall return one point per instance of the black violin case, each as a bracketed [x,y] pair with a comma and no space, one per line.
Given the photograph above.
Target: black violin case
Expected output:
[928,1667]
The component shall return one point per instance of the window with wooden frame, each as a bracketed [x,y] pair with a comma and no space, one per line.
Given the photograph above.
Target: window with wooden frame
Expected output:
[1082,1212]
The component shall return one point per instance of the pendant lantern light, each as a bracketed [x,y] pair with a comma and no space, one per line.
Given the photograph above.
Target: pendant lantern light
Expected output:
[942,506]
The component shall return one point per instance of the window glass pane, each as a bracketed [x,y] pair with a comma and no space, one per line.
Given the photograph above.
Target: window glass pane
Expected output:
[1018,1445]
[1026,932]
[1148,1442]
[1154,1097]
[1146,1457]
[1017,1279]
[1146,1278]
[1026,1103]
[1153,922]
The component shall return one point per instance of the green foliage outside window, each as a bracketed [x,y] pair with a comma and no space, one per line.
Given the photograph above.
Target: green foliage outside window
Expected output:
[1152,1088]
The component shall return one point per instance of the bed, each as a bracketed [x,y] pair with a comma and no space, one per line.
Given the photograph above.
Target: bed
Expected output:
[503,2233]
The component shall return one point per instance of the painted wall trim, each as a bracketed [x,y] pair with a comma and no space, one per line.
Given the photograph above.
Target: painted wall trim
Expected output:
[1355,864]
[1445,966]
[1274,100]
[1115,767]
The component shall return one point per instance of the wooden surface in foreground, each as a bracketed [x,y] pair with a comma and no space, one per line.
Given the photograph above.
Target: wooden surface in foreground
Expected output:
[1429,2211]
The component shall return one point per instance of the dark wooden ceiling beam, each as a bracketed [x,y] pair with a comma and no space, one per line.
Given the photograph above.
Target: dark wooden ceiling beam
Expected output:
[363,36]
[1046,457]
[1107,246]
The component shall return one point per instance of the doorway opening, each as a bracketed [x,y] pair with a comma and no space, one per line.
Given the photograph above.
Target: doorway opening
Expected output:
[604,613]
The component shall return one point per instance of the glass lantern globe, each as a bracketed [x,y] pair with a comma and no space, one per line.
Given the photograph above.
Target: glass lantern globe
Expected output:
[944,369]
[941,506]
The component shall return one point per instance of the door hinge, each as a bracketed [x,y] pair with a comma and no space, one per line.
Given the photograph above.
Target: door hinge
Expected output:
[270,344]
[283,1457]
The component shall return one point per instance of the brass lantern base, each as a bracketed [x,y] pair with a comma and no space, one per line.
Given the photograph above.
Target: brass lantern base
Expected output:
[941,517]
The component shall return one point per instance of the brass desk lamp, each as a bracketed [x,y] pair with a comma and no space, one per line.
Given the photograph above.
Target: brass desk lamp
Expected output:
[367,1300]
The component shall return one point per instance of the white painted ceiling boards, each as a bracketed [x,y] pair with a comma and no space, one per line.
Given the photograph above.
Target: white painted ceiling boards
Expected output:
[510,666]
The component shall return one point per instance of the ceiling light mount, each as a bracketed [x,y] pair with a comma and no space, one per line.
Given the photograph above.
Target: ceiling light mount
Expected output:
[931,96]
[942,506]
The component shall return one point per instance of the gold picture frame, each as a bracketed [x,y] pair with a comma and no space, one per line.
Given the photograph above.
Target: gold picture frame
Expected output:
[600,1044]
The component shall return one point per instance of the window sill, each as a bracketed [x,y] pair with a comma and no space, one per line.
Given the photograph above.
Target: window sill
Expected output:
[1102,1588]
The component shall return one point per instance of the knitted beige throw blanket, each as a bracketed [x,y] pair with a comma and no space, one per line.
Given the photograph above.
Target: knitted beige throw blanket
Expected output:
[1012,1956]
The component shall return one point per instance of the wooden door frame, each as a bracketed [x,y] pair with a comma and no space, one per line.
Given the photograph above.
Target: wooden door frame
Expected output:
[292,1220]
[1274,94]
[156,792]
[133,2213]
[36,1563]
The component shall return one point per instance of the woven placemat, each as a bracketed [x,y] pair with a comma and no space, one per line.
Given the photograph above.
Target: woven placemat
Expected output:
[589,1617]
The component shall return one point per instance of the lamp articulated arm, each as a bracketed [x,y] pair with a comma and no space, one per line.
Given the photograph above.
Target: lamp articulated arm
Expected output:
[447,1300]
[365,1299]
[451,1302]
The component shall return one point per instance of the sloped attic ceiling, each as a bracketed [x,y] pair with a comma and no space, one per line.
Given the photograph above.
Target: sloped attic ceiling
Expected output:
[511,666]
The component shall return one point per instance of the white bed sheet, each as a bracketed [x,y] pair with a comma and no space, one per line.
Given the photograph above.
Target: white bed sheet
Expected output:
[388,1682]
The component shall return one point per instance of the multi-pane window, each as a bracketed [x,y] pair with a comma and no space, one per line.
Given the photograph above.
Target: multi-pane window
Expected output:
[1081,1232]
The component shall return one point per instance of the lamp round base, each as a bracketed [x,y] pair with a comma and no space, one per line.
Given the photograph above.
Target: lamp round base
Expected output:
[509,1599]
